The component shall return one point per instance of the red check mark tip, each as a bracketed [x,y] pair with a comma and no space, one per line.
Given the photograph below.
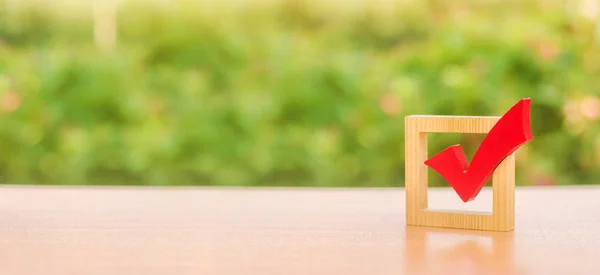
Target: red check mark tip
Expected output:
[510,132]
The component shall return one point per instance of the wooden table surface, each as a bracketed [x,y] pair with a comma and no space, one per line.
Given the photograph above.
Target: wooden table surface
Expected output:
[156,230]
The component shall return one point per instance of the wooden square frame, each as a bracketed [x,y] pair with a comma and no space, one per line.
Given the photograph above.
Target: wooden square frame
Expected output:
[502,217]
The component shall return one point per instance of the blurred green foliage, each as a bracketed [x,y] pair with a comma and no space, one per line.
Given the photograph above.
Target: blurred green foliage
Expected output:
[288,92]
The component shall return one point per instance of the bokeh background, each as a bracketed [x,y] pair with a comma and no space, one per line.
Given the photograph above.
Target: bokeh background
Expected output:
[287,92]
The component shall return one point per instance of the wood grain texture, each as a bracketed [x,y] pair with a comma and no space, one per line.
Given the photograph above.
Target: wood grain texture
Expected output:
[503,181]
[128,231]
[453,124]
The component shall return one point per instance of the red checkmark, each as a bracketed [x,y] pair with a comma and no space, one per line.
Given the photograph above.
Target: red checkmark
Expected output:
[509,133]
